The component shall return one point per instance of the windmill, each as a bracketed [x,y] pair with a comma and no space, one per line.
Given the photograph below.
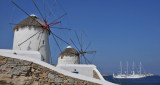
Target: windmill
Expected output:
[81,48]
[32,33]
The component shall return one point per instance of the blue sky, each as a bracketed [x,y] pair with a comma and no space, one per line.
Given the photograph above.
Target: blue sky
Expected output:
[120,30]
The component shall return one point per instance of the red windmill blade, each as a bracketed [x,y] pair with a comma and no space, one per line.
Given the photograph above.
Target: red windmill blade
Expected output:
[61,28]
[48,25]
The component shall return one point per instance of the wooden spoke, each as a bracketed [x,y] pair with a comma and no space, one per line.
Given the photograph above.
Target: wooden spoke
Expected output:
[44,9]
[86,59]
[29,38]
[38,9]
[56,41]
[81,41]
[60,38]
[88,46]
[60,17]
[75,45]
[78,40]
[61,28]
[51,11]
[20,8]
[90,52]
[24,11]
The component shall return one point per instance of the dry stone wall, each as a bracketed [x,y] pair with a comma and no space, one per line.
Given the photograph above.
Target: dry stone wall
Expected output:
[21,72]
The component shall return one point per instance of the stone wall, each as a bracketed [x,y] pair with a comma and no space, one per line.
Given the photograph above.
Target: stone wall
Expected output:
[21,72]
[95,75]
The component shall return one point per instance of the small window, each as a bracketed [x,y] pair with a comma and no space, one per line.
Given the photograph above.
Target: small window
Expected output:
[43,42]
[75,71]
[17,29]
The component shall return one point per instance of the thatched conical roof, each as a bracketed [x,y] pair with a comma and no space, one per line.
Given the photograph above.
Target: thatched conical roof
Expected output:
[69,51]
[32,20]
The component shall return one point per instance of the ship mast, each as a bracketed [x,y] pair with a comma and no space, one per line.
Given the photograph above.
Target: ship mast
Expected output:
[140,68]
[133,68]
[121,67]
[127,67]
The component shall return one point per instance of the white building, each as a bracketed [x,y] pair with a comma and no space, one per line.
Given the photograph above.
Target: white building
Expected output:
[29,36]
[69,56]
[69,60]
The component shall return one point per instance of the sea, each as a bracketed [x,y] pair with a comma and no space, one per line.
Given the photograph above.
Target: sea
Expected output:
[149,80]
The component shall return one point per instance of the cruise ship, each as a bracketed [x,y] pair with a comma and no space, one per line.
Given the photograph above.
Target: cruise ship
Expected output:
[133,75]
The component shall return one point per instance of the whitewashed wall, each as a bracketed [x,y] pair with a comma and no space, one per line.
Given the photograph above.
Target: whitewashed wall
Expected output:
[39,42]
[30,54]
[82,69]
[101,82]
[68,60]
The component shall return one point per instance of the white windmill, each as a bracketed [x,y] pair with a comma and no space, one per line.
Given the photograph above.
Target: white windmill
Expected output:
[75,56]
[32,34]
[29,35]
[69,56]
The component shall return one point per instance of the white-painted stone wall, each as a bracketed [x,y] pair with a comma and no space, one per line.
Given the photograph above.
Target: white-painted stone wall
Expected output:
[78,76]
[68,60]
[40,42]
[30,54]
[83,69]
